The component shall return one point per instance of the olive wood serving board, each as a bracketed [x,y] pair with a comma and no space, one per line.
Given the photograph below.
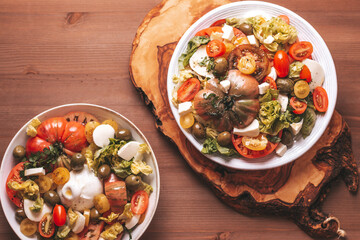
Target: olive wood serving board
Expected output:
[295,190]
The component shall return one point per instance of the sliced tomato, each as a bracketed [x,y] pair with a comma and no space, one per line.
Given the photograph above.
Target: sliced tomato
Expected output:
[285,18]
[81,117]
[92,232]
[36,144]
[74,137]
[321,100]
[271,81]
[301,50]
[59,215]
[305,74]
[215,48]
[238,33]
[46,226]
[245,152]
[218,23]
[14,175]
[188,90]
[209,31]
[298,106]
[115,191]
[281,63]
[139,202]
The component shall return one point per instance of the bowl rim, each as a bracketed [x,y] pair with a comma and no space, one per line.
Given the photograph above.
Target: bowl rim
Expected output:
[172,69]
[142,136]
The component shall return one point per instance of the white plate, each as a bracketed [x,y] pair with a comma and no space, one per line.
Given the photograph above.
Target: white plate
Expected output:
[101,113]
[321,54]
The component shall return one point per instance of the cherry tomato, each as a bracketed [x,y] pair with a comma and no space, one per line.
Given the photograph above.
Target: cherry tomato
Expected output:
[188,90]
[187,120]
[218,23]
[301,50]
[321,100]
[285,18]
[209,31]
[281,63]
[255,143]
[271,81]
[59,215]
[245,152]
[92,232]
[46,226]
[246,64]
[298,106]
[139,202]
[61,175]
[215,48]
[301,89]
[81,117]
[305,74]
[14,175]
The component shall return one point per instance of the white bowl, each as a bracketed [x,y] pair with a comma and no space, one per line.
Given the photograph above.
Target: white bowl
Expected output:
[321,54]
[101,113]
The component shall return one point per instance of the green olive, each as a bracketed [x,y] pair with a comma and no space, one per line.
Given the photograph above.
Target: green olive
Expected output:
[94,215]
[132,182]
[124,134]
[19,152]
[198,130]
[246,28]
[104,171]
[221,65]
[77,161]
[285,85]
[287,138]
[224,138]
[51,197]
[20,214]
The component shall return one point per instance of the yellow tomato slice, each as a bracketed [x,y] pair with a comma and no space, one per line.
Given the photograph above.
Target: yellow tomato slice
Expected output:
[255,143]
[301,89]
[61,175]
[187,120]
[246,65]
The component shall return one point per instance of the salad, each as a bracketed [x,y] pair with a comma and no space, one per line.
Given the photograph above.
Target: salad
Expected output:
[79,178]
[248,87]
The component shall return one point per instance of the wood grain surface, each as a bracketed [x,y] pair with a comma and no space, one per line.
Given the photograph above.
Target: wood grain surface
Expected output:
[57,52]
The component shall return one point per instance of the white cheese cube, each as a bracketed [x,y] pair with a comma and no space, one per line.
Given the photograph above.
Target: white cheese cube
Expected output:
[281,149]
[269,39]
[228,32]
[263,88]
[35,171]
[129,150]
[250,131]
[283,100]
[185,108]
[225,84]
[296,127]
[273,74]
[253,40]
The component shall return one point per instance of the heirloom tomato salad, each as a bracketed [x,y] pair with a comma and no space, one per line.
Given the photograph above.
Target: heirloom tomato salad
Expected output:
[248,86]
[79,178]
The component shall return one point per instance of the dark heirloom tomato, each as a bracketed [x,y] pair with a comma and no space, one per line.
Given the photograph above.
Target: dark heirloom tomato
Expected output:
[261,59]
[14,175]
[115,191]
[92,232]
[70,134]
[244,151]
[81,117]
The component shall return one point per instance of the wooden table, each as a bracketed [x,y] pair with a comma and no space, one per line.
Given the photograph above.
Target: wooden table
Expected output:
[58,52]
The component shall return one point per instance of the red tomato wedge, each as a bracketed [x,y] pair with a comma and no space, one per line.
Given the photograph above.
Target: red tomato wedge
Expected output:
[70,134]
[188,90]
[281,63]
[218,23]
[305,74]
[139,202]
[271,81]
[215,48]
[285,18]
[298,106]
[92,232]
[209,31]
[245,152]
[321,100]
[115,191]
[14,175]
[59,215]
[301,50]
